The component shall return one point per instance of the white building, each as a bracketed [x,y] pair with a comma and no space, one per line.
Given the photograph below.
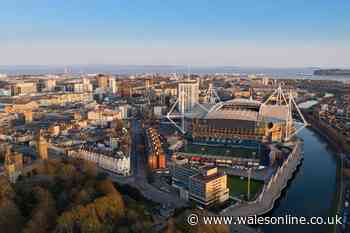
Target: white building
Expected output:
[188,95]
[124,109]
[114,142]
[324,107]
[87,86]
[5,92]
[23,88]
[159,110]
[114,161]
[103,116]
[50,84]
[78,87]
[112,85]
[204,185]
[265,81]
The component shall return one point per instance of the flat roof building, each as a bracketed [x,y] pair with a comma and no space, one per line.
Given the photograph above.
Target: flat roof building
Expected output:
[204,185]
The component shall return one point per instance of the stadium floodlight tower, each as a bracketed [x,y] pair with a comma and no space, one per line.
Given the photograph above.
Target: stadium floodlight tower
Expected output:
[187,97]
[280,99]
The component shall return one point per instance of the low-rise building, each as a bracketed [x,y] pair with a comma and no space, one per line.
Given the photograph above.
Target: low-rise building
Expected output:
[19,106]
[64,98]
[23,88]
[111,160]
[103,117]
[156,155]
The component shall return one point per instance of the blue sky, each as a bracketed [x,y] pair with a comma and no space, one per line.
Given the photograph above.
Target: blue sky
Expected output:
[290,33]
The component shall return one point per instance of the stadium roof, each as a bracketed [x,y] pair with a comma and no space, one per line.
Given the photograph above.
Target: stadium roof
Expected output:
[240,110]
[279,112]
[241,101]
[233,114]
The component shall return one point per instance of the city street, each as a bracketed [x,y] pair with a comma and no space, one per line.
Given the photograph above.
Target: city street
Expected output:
[138,178]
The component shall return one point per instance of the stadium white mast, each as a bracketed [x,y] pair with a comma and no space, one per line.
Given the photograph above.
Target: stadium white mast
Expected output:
[212,95]
[305,123]
[280,99]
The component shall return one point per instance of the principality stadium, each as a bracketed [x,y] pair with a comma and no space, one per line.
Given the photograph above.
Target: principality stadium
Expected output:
[238,131]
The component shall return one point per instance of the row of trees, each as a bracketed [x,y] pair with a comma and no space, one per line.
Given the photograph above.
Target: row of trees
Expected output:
[71,197]
[66,197]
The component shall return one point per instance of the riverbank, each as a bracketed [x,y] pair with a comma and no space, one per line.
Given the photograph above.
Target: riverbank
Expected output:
[272,190]
[339,145]
[311,190]
[339,191]
[335,140]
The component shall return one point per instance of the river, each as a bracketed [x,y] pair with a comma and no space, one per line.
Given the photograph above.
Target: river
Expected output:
[312,190]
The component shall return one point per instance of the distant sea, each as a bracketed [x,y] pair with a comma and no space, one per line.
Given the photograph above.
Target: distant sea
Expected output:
[283,73]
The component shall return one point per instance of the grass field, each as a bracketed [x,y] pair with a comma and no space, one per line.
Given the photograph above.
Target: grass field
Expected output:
[239,186]
[220,151]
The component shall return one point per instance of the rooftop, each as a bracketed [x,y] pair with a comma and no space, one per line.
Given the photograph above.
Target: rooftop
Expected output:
[236,114]
[241,110]
[205,178]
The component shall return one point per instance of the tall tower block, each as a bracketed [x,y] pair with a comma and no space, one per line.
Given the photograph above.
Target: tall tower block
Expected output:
[188,95]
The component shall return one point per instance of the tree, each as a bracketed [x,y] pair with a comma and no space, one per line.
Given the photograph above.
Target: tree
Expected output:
[89,222]
[106,187]
[171,227]
[52,167]
[6,190]
[199,228]
[10,217]
[99,216]
[66,222]
[83,197]
[90,169]
[67,172]
[44,214]
[110,207]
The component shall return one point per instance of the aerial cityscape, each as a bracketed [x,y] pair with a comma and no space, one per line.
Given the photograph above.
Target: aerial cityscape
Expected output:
[123,117]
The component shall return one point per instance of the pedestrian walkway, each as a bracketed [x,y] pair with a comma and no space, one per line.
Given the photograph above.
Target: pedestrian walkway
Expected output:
[271,191]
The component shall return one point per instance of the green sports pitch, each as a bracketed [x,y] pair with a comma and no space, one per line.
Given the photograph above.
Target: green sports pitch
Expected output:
[239,186]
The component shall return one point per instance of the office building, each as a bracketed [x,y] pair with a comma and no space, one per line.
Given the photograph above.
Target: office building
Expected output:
[102,82]
[112,85]
[204,185]
[188,95]
[87,86]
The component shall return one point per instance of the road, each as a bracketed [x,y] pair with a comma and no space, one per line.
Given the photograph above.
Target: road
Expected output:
[138,178]
[138,161]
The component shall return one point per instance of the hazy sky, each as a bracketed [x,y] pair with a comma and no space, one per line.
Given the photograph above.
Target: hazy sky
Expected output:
[263,33]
